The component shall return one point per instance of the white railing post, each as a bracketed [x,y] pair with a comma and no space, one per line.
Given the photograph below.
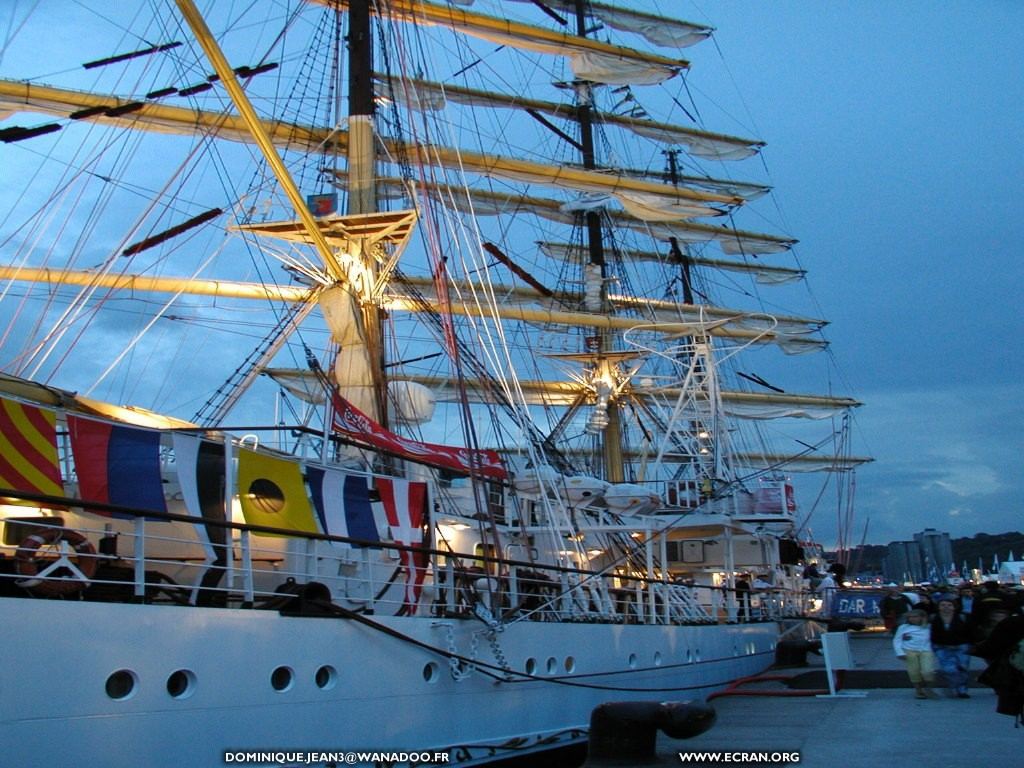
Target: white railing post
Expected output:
[663,557]
[229,493]
[140,557]
[450,597]
[368,568]
[513,587]
[652,603]
[248,582]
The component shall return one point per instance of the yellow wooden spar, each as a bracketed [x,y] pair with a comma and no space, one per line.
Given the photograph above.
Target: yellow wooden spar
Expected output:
[715,326]
[255,126]
[217,288]
[538,391]
[158,117]
[798,462]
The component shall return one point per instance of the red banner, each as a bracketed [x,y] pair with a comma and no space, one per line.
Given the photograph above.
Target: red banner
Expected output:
[353,423]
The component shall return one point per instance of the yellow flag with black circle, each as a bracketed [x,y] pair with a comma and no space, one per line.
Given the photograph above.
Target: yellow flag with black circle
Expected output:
[272,493]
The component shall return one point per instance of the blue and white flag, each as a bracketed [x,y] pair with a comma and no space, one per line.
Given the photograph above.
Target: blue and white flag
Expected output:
[342,502]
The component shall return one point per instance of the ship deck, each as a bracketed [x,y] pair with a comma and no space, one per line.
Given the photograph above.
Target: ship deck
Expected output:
[886,726]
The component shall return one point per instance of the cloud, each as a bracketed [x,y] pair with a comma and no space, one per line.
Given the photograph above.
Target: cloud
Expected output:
[942,457]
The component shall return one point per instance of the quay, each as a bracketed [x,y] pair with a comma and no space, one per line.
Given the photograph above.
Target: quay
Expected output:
[887,726]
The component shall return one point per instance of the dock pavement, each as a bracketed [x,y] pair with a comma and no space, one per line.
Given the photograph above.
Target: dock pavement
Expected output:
[886,726]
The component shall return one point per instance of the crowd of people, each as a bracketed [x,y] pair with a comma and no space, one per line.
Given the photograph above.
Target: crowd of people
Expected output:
[938,631]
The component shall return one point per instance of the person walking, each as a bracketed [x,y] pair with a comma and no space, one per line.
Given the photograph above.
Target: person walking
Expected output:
[1003,674]
[912,643]
[894,607]
[951,642]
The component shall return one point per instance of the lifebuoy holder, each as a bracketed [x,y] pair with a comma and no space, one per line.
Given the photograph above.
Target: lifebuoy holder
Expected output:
[66,574]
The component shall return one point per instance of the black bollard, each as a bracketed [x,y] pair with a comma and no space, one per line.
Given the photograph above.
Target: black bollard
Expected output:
[793,653]
[626,732]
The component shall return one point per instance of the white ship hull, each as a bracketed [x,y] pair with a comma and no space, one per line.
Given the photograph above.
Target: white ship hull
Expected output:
[387,694]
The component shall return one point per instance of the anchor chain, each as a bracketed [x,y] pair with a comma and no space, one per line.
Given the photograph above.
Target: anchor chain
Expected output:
[499,655]
[494,627]
[459,669]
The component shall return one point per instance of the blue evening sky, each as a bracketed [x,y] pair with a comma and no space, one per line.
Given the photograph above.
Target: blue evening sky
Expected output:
[894,137]
[895,134]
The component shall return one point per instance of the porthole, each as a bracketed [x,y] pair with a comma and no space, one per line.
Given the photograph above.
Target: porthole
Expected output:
[181,683]
[570,664]
[657,658]
[282,678]
[531,666]
[430,672]
[632,661]
[326,677]
[552,665]
[689,656]
[121,684]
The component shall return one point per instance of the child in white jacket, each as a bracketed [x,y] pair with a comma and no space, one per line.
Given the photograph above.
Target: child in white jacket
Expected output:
[912,642]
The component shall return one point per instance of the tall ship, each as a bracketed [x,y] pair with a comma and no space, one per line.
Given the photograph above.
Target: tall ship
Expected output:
[385,375]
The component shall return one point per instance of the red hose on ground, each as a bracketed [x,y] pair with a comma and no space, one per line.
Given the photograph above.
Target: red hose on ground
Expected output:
[733,689]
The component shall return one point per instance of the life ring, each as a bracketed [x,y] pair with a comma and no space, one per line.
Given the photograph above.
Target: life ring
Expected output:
[68,574]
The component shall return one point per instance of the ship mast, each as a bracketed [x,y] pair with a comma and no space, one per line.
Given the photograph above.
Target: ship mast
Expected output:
[354,322]
[349,303]
[682,257]
[606,414]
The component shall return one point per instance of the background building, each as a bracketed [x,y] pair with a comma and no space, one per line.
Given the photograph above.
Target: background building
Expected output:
[903,563]
[936,554]
[929,557]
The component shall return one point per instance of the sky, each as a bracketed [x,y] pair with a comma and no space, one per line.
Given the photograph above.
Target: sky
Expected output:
[894,135]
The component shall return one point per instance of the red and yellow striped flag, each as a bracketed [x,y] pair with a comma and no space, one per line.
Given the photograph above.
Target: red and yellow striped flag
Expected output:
[28,449]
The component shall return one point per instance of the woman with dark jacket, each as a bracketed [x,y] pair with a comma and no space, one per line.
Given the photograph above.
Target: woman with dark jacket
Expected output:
[951,641]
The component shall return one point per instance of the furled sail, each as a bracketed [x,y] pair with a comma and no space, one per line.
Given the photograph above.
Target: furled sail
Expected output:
[482,202]
[427,95]
[658,30]
[160,117]
[590,59]
[763,273]
[687,203]
[721,321]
